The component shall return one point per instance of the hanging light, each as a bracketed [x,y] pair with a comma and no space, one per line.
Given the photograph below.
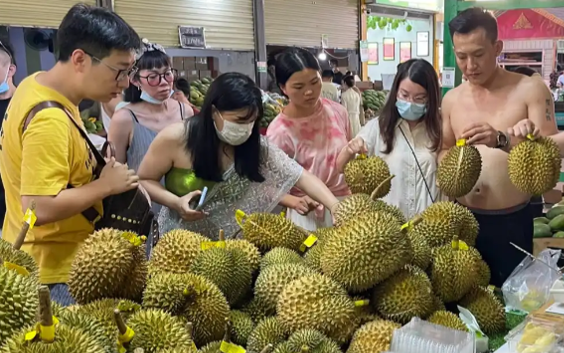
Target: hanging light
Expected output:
[322,56]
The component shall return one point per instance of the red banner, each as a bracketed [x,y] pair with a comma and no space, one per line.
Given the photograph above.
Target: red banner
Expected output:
[527,24]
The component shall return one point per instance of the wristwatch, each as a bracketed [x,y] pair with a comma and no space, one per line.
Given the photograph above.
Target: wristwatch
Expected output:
[502,140]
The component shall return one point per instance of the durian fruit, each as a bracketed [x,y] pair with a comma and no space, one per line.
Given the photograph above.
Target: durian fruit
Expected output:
[91,326]
[420,248]
[176,251]
[66,338]
[272,281]
[454,271]
[156,330]
[373,337]
[256,309]
[252,252]
[534,165]
[486,308]
[312,257]
[268,331]
[268,231]
[444,219]
[212,347]
[366,251]
[311,341]
[230,270]
[102,311]
[242,325]
[18,302]
[319,303]
[278,256]
[194,297]
[18,257]
[105,267]
[406,294]
[447,319]
[438,304]
[364,174]
[364,310]
[484,274]
[359,204]
[459,170]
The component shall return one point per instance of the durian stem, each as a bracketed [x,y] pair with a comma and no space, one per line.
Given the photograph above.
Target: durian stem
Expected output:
[416,220]
[305,349]
[45,311]
[382,184]
[190,330]
[267,349]
[24,229]
[122,327]
[221,235]
[227,335]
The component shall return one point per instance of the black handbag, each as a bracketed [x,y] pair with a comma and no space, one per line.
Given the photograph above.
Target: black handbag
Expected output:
[128,211]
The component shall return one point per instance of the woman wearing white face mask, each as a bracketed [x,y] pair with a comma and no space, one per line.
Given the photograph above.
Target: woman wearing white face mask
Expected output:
[150,107]
[221,149]
[407,135]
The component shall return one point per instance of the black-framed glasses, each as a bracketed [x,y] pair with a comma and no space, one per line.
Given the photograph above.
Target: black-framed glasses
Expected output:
[121,73]
[154,79]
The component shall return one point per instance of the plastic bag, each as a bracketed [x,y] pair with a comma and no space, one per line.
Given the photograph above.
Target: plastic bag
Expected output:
[528,287]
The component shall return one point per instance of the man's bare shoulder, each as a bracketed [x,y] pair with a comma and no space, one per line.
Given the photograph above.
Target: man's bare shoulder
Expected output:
[452,95]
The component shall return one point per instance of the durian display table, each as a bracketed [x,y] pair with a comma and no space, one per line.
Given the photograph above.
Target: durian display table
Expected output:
[539,244]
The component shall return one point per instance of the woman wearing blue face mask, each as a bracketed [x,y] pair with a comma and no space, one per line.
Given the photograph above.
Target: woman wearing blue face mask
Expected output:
[150,107]
[221,149]
[407,135]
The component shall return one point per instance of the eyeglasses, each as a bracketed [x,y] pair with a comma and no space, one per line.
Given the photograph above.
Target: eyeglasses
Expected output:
[121,74]
[155,79]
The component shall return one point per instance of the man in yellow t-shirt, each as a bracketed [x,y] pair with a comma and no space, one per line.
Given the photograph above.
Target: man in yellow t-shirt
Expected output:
[48,161]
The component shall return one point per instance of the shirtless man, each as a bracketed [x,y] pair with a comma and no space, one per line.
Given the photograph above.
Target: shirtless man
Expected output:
[481,110]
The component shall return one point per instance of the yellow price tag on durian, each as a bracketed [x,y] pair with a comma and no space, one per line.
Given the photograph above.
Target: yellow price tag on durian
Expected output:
[461,142]
[408,226]
[46,333]
[308,243]
[30,218]
[361,303]
[206,245]
[19,269]
[227,347]
[127,336]
[459,245]
[132,238]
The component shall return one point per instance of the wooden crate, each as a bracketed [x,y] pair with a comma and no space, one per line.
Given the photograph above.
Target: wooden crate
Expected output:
[539,244]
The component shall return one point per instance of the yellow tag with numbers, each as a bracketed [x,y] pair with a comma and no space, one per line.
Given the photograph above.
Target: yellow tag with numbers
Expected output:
[308,243]
[361,303]
[206,245]
[461,142]
[227,347]
[30,218]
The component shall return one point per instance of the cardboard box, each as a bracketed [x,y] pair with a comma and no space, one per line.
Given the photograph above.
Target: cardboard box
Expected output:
[205,74]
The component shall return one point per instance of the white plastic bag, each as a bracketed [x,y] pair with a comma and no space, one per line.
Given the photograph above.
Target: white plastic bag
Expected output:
[528,287]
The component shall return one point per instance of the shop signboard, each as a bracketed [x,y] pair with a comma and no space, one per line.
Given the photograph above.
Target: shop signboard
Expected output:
[430,5]
[192,37]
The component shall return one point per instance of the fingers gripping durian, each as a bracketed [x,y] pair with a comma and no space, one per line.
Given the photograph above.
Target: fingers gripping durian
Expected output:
[365,174]
[366,251]
[53,336]
[534,165]
[268,231]
[459,170]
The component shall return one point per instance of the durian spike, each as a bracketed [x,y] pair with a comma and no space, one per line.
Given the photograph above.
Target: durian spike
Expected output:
[268,348]
[305,349]
[228,326]
[377,190]
[221,235]
[24,229]
[45,313]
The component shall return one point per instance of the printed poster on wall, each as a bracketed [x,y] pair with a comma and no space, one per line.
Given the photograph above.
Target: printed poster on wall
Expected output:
[372,53]
[363,51]
[405,51]
[389,49]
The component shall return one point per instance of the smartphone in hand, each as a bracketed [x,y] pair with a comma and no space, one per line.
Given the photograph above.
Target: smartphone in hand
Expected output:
[202,199]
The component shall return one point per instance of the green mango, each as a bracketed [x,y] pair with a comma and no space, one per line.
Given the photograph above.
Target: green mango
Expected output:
[555,211]
[558,235]
[557,223]
[541,220]
[542,231]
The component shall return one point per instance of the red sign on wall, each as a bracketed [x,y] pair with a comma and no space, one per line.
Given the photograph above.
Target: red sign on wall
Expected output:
[527,24]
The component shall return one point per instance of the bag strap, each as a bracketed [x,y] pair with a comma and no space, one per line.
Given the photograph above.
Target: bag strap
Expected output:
[90,214]
[418,166]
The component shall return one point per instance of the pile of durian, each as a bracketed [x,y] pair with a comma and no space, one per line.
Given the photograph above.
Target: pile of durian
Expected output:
[278,289]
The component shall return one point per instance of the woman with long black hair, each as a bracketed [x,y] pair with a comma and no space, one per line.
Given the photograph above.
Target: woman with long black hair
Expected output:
[407,135]
[221,149]
[313,131]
